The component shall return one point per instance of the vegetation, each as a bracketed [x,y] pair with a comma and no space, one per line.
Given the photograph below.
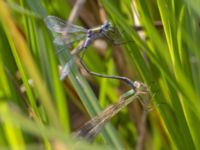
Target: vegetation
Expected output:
[158,46]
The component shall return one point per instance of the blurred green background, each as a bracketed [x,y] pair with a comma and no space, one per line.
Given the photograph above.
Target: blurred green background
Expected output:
[160,48]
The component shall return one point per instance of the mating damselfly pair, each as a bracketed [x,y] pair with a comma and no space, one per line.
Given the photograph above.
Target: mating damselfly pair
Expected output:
[67,34]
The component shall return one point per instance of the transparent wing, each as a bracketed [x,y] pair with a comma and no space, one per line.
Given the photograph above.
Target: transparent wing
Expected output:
[64,34]
[58,25]
[93,126]
[69,39]
[66,60]
[67,68]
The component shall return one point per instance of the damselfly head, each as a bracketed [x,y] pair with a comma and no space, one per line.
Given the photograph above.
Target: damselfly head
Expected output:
[107,25]
[140,86]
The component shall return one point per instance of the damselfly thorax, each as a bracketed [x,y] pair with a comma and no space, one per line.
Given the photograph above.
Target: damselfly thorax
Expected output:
[96,33]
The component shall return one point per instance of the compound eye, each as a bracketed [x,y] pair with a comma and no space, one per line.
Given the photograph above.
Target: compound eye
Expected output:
[106,25]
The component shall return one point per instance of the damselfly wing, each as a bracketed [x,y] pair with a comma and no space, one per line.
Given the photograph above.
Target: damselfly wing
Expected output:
[66,34]
[91,128]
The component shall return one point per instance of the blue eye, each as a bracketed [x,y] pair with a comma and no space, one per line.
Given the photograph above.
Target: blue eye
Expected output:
[106,25]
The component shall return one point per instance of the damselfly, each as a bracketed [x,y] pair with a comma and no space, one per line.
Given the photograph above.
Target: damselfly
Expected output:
[91,128]
[67,34]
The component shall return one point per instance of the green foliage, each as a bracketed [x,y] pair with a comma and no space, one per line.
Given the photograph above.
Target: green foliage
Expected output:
[166,59]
